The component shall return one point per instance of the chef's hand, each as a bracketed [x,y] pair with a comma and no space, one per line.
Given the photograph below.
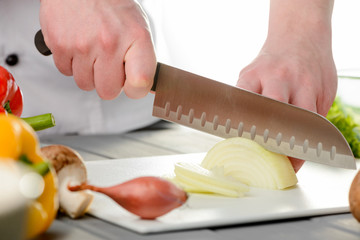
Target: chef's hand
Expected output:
[296,65]
[105,45]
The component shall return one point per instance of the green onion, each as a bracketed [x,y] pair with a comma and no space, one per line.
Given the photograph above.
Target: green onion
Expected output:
[41,122]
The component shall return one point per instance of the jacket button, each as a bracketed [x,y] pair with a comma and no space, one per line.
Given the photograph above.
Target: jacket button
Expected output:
[12,59]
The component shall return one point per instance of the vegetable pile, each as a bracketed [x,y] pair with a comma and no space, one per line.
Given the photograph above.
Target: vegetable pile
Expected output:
[57,167]
[20,145]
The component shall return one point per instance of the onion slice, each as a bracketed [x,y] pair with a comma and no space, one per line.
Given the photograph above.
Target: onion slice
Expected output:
[196,179]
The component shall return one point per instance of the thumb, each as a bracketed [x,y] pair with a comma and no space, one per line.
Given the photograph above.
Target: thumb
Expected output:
[140,67]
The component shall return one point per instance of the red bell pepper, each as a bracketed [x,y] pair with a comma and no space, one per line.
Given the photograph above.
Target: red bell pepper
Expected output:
[11,100]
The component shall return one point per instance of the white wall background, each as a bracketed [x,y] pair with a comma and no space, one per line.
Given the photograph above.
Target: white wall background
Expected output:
[217,38]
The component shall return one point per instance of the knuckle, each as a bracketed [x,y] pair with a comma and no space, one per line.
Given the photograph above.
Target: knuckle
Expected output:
[57,45]
[82,46]
[108,41]
[282,73]
[139,32]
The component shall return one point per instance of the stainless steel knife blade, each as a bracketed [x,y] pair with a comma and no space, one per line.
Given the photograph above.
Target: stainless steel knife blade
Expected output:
[227,111]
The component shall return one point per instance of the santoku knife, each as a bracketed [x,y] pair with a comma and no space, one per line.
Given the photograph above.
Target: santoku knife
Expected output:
[227,111]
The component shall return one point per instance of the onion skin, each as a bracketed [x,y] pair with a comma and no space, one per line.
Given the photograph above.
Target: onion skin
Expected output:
[147,197]
[354,197]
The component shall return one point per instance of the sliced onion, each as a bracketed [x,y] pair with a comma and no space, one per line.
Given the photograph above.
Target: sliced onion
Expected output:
[251,164]
[194,178]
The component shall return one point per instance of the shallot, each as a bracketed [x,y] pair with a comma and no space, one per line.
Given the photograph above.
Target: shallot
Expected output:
[148,197]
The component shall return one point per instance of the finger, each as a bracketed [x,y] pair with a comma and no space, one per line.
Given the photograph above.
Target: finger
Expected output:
[61,53]
[305,99]
[63,62]
[83,72]
[324,104]
[296,163]
[109,75]
[277,89]
[249,81]
[140,67]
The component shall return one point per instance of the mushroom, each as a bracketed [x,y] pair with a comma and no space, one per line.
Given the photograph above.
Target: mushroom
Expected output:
[70,170]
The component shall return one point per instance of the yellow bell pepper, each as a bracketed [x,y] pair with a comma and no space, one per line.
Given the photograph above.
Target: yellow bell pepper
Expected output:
[18,139]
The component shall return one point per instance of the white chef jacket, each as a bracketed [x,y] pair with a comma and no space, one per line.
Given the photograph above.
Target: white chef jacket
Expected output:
[46,90]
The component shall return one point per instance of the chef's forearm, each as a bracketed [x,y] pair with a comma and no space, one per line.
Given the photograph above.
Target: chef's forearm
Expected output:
[311,18]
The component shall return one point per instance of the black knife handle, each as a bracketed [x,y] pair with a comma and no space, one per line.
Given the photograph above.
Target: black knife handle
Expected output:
[40,44]
[44,50]
[153,88]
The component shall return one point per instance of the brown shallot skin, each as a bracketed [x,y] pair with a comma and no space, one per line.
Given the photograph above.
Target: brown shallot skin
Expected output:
[148,197]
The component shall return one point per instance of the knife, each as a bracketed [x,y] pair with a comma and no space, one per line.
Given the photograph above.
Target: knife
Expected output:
[227,111]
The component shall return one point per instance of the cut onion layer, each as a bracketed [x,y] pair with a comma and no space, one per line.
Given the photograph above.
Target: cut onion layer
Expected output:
[196,179]
[250,163]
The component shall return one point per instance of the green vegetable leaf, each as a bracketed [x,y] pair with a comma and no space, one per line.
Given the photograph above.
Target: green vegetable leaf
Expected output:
[347,119]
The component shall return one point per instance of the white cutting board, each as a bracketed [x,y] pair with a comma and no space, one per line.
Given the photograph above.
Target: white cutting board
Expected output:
[321,190]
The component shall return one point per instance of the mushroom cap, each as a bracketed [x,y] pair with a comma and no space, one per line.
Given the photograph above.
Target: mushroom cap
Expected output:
[61,156]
